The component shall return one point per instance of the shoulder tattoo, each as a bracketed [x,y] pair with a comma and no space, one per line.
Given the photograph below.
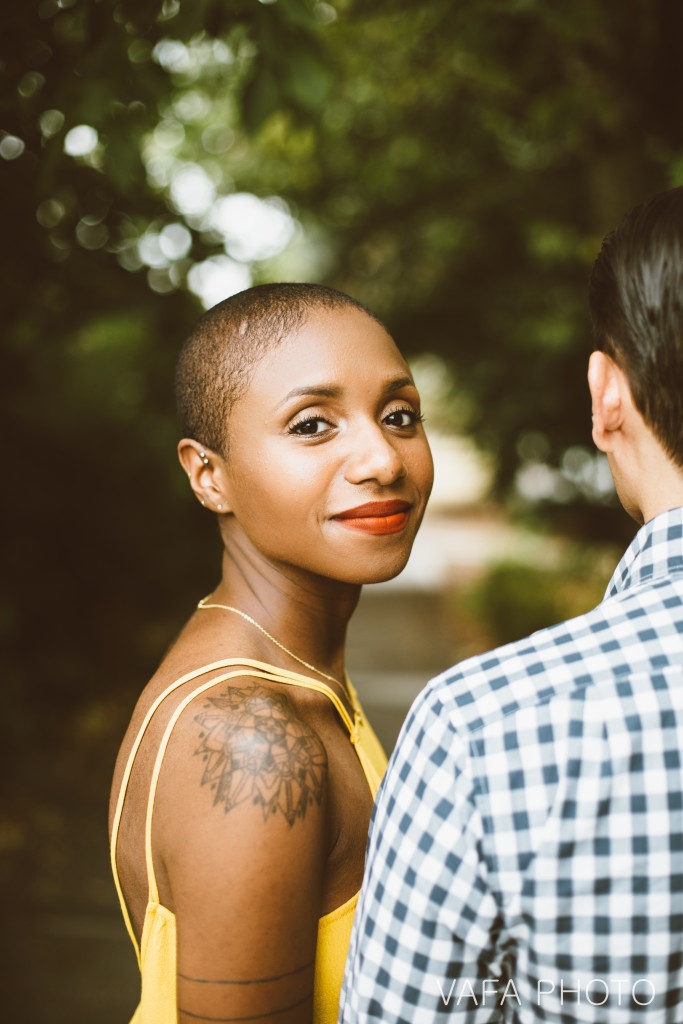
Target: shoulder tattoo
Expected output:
[255,748]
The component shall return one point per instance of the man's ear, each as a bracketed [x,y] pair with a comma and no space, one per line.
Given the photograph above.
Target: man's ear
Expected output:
[606,383]
[206,473]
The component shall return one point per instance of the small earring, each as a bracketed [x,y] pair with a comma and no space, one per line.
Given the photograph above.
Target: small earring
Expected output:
[203,502]
[220,508]
[202,456]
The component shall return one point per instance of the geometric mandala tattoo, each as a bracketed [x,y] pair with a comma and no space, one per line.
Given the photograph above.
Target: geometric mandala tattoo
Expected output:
[256,748]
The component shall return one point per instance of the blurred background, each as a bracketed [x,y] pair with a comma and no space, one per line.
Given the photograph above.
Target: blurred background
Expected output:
[453,164]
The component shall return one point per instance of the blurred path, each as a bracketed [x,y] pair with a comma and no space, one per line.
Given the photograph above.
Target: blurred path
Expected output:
[397,641]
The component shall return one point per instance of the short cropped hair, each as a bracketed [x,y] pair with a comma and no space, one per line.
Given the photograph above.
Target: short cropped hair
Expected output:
[215,363]
[636,303]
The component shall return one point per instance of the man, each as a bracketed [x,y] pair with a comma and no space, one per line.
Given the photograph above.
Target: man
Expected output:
[526,855]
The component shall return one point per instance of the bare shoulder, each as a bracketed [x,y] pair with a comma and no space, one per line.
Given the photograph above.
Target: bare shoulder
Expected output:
[241,836]
[244,781]
[254,748]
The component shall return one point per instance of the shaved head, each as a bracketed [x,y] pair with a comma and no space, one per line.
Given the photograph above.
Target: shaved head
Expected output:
[215,363]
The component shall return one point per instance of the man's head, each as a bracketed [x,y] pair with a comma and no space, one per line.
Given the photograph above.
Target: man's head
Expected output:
[216,360]
[636,302]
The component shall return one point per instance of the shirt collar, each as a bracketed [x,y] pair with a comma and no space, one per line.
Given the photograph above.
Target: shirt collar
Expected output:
[655,551]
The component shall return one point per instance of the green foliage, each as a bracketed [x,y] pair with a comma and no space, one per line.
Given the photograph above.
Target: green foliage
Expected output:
[514,599]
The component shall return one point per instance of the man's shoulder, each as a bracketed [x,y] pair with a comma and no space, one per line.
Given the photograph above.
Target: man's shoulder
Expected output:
[627,633]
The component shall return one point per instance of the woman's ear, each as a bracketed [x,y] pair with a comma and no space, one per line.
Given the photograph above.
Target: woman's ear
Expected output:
[205,471]
[606,383]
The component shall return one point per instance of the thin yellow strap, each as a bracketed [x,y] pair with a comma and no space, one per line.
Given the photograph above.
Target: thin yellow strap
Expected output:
[306,683]
[283,675]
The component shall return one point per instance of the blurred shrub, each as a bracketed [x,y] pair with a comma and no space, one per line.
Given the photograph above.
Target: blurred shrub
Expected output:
[513,599]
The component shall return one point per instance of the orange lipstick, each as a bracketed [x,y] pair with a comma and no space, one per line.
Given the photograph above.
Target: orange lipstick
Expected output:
[376,517]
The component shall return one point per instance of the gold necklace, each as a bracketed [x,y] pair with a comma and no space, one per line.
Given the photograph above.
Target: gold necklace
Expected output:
[204,603]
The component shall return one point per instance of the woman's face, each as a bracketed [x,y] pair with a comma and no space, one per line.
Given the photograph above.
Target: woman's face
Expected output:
[328,466]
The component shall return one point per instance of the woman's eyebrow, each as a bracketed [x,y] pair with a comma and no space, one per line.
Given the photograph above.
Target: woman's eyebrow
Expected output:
[334,391]
[316,391]
[398,383]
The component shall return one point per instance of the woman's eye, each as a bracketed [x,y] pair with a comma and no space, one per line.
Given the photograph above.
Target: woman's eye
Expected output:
[402,418]
[308,427]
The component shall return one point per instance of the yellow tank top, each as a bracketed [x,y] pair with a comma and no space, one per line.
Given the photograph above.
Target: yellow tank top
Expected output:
[157,951]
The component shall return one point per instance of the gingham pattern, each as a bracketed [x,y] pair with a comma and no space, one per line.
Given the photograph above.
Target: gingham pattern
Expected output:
[528,837]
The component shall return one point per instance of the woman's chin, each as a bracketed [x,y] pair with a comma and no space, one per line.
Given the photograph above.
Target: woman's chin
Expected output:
[380,572]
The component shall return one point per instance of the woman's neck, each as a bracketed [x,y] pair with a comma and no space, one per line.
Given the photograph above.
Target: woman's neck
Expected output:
[307,614]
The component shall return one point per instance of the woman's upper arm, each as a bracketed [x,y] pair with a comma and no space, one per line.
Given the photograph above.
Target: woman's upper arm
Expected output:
[244,852]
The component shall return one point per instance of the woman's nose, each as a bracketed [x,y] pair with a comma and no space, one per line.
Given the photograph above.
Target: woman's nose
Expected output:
[374,458]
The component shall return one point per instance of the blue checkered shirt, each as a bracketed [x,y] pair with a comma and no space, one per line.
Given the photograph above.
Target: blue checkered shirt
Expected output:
[525,859]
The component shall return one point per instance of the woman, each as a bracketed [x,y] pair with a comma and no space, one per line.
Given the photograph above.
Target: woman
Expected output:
[244,786]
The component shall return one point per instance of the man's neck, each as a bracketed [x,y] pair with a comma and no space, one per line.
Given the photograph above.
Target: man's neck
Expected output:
[648,480]
[662,488]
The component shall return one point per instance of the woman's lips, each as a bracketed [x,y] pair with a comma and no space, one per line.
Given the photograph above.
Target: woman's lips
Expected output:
[376,517]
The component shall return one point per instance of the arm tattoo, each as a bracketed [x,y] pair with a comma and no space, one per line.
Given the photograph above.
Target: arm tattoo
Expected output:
[256,748]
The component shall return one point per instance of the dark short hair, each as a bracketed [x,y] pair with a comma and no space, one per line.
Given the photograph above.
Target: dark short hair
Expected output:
[216,361]
[636,303]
